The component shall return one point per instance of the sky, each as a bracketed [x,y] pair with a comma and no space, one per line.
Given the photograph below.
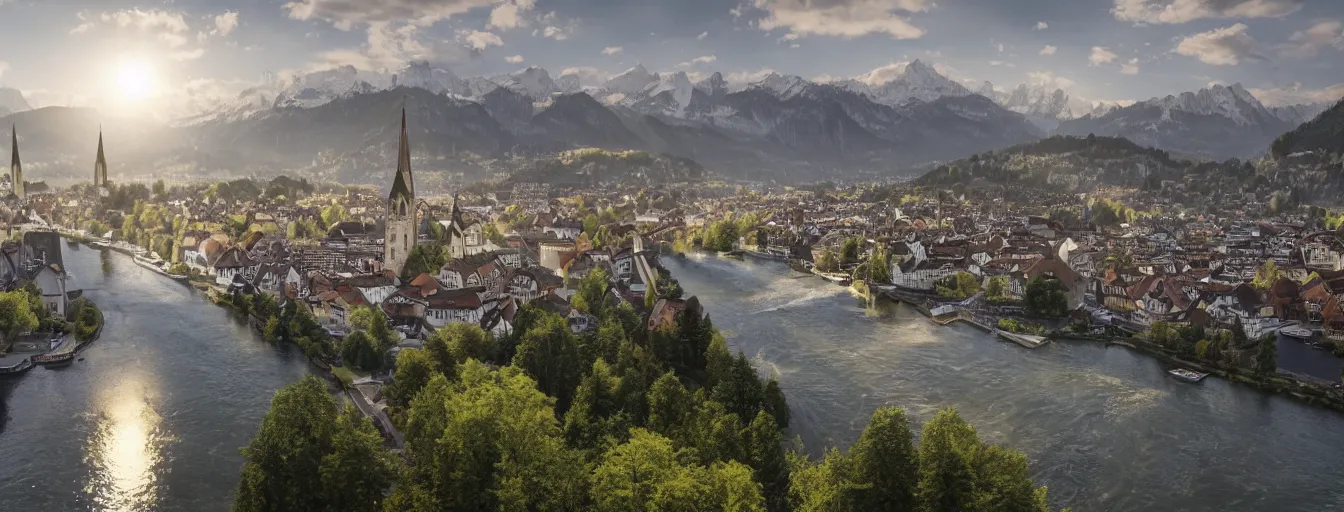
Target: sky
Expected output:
[128,55]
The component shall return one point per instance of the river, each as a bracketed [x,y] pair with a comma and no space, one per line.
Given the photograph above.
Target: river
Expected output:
[154,415]
[1104,428]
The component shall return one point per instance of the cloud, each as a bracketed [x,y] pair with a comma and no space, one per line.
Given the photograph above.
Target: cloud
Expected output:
[612,50]
[82,28]
[173,40]
[841,18]
[1225,46]
[702,35]
[1002,64]
[513,59]
[1041,25]
[391,45]
[588,75]
[225,23]
[1295,94]
[1048,50]
[555,33]
[4,66]
[1308,43]
[747,77]
[346,14]
[480,40]
[1101,55]
[1181,11]
[511,14]
[704,59]
[187,55]
[1131,67]
[173,22]
[1049,79]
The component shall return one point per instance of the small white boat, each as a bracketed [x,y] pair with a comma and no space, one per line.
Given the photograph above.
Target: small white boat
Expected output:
[1187,375]
[945,309]
[1297,332]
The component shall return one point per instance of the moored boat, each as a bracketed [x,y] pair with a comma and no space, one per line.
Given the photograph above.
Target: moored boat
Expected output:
[54,359]
[1187,375]
[1301,333]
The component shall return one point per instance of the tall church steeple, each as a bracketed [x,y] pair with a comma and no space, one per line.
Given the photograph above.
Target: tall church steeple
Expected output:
[15,166]
[401,233]
[100,165]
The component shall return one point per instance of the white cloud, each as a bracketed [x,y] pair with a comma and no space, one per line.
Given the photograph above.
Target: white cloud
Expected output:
[1041,25]
[1101,55]
[225,23]
[480,40]
[391,46]
[1050,79]
[555,33]
[747,77]
[346,14]
[702,35]
[173,40]
[1181,11]
[4,66]
[1131,67]
[704,59]
[841,18]
[82,28]
[513,59]
[1308,43]
[612,50]
[1000,47]
[588,75]
[174,22]
[1225,46]
[505,17]
[1048,50]
[883,74]
[187,55]
[1296,94]
[795,45]
[1002,64]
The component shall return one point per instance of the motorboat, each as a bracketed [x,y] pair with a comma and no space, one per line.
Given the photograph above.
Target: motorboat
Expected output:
[1187,375]
[1301,333]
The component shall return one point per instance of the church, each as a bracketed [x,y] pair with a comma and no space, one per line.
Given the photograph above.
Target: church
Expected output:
[401,234]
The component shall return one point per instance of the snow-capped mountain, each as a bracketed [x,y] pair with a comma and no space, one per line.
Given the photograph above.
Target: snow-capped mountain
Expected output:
[714,86]
[782,86]
[533,82]
[1299,114]
[628,83]
[321,87]
[11,101]
[672,94]
[918,81]
[1218,122]
[436,80]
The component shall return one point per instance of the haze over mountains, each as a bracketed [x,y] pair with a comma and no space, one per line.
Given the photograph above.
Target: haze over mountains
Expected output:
[774,127]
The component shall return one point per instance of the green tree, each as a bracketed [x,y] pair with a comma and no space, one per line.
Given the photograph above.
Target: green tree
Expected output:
[961,285]
[425,259]
[591,296]
[597,411]
[997,288]
[1267,356]
[947,473]
[1045,297]
[741,392]
[489,441]
[820,487]
[414,369]
[308,457]
[16,314]
[885,463]
[1266,275]
[549,354]
[770,466]
[849,251]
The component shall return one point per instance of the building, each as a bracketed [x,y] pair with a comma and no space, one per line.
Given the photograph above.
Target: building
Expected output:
[15,166]
[400,235]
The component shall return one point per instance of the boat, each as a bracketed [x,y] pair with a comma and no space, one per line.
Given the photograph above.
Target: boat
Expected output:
[1026,340]
[944,309]
[54,359]
[1187,375]
[770,253]
[23,365]
[1301,333]
[155,264]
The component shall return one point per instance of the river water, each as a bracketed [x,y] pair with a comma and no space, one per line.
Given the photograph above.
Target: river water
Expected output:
[155,414]
[1104,428]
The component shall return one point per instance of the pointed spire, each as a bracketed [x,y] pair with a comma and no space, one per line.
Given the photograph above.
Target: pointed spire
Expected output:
[100,165]
[14,162]
[15,166]
[403,182]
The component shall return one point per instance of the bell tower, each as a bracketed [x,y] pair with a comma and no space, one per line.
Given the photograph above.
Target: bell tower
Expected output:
[400,235]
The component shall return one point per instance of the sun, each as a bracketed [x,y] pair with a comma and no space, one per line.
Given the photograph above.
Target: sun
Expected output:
[137,80]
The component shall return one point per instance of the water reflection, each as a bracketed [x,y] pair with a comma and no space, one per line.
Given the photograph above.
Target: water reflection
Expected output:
[106,259]
[125,448]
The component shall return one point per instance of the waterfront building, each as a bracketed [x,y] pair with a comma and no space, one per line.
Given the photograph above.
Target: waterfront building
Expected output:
[400,233]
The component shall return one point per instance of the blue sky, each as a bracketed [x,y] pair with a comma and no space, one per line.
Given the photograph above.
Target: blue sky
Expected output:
[77,51]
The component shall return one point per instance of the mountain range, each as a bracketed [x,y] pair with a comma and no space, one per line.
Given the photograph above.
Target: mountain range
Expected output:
[775,127]
[11,101]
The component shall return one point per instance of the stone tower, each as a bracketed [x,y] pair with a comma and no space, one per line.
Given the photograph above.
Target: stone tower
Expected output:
[15,166]
[400,235]
[100,165]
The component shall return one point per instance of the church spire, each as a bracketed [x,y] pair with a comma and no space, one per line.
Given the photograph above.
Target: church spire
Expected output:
[403,183]
[100,165]
[15,166]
